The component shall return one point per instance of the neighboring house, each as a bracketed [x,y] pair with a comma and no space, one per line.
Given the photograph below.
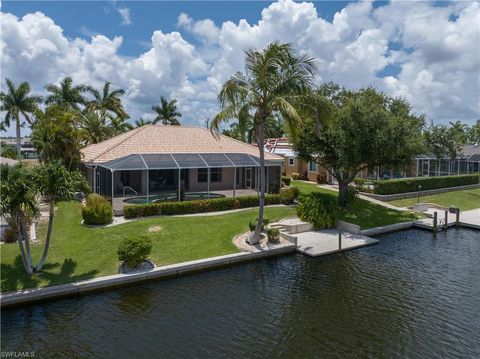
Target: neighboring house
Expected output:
[307,170]
[176,162]
[27,150]
[8,161]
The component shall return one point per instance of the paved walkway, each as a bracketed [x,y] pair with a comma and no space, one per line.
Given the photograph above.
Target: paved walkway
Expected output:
[322,242]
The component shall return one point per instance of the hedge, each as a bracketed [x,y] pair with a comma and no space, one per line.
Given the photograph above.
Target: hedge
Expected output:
[393,186]
[198,206]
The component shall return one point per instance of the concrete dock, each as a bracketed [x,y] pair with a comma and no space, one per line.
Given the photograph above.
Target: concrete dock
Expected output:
[322,242]
[467,219]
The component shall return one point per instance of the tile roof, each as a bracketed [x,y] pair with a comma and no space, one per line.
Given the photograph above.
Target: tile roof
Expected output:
[166,139]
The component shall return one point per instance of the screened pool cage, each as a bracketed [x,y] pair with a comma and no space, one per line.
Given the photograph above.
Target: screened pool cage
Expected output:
[431,166]
[180,176]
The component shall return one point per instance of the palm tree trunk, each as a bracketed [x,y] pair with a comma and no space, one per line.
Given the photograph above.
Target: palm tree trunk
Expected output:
[26,239]
[19,145]
[20,245]
[49,235]
[255,238]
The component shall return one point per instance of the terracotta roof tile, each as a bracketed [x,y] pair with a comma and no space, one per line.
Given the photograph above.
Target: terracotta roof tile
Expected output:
[166,139]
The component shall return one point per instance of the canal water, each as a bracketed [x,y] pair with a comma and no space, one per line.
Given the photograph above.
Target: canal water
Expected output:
[410,296]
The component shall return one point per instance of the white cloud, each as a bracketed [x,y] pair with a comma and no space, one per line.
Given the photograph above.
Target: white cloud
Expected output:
[437,55]
[126,15]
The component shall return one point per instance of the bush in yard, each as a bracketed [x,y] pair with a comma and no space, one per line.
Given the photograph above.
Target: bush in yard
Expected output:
[133,250]
[295,176]
[198,206]
[97,210]
[403,185]
[286,180]
[319,209]
[273,235]
[253,224]
[289,194]
[362,184]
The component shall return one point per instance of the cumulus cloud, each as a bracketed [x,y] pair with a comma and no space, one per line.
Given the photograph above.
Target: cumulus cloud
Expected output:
[434,49]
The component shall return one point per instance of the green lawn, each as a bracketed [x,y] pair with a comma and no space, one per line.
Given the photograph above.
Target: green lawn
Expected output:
[79,253]
[465,199]
[363,213]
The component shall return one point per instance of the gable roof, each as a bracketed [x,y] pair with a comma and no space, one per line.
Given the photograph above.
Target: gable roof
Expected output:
[166,139]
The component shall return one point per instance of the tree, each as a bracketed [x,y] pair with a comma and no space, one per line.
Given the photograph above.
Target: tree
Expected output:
[66,95]
[19,191]
[273,80]
[167,112]
[18,100]
[474,133]
[119,125]
[142,122]
[459,131]
[94,127]
[441,141]
[57,137]
[107,101]
[348,131]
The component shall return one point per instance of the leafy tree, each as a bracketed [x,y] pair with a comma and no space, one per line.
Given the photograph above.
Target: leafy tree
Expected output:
[19,191]
[167,112]
[107,101]
[442,142]
[57,137]
[459,131]
[274,78]
[18,100]
[66,95]
[142,122]
[348,131]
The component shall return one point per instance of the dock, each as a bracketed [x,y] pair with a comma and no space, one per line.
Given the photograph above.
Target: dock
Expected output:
[315,243]
[469,219]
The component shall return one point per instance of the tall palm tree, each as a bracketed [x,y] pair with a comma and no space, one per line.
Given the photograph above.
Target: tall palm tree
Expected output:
[167,112]
[142,122]
[119,125]
[94,127]
[274,80]
[65,94]
[18,101]
[107,101]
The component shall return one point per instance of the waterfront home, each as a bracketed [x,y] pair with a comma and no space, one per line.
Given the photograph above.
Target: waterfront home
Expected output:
[153,163]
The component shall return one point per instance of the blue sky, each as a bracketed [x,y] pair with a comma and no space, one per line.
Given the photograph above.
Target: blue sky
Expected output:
[426,52]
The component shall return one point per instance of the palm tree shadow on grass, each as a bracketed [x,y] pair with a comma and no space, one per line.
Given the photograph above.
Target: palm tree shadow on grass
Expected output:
[14,277]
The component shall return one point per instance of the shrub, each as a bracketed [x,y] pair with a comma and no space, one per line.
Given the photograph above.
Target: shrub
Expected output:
[319,209]
[362,184]
[286,180]
[97,210]
[273,234]
[253,224]
[288,195]
[199,206]
[295,176]
[403,185]
[133,250]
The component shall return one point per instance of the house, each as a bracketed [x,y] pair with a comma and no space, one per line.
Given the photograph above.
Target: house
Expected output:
[153,163]
[27,150]
[308,170]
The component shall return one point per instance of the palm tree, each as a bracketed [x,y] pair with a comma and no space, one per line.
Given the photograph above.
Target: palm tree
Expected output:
[167,112]
[66,95]
[274,80]
[94,127]
[119,125]
[142,122]
[18,101]
[107,101]
[19,189]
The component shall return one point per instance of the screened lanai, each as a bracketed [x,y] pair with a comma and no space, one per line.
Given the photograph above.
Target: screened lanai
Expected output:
[429,165]
[142,178]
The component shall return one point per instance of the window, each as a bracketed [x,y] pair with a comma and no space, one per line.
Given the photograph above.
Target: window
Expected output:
[215,175]
[291,161]
[312,166]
